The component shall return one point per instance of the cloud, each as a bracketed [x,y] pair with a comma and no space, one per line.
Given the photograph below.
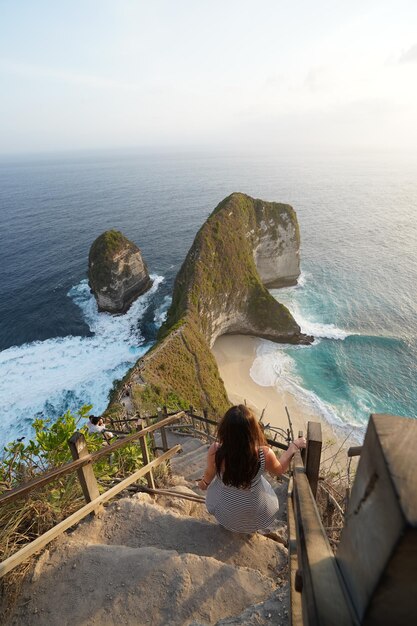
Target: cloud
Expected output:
[316,80]
[74,78]
[409,56]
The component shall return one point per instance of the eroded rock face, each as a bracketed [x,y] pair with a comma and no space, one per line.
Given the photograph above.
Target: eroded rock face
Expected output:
[277,252]
[117,273]
[244,246]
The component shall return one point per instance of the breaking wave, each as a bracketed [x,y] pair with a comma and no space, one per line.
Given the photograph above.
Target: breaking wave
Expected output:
[49,377]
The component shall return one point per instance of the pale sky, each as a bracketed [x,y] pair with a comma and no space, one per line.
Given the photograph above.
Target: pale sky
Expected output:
[303,74]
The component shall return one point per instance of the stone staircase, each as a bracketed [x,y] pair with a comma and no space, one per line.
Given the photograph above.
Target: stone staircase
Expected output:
[158,560]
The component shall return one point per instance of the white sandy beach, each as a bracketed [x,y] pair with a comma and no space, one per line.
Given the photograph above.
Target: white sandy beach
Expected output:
[235,355]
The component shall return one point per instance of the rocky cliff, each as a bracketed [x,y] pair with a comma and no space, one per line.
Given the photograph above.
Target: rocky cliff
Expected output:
[220,289]
[117,273]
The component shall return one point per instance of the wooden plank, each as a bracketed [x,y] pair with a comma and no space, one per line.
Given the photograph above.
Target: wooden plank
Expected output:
[164,439]
[381,523]
[68,468]
[313,454]
[354,451]
[394,599]
[324,597]
[78,446]
[191,413]
[290,424]
[146,461]
[164,434]
[296,612]
[206,422]
[303,450]
[398,440]
[43,540]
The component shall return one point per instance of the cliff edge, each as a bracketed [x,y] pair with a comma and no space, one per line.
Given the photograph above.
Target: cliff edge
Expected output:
[117,274]
[244,245]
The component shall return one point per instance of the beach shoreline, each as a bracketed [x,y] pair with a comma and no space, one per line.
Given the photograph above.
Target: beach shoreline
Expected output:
[235,355]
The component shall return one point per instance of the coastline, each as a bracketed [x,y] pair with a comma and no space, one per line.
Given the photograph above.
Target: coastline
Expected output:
[235,355]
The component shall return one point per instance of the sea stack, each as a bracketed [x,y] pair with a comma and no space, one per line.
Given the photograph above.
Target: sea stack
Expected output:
[117,273]
[245,246]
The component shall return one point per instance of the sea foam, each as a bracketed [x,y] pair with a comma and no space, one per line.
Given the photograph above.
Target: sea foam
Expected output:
[49,377]
[273,366]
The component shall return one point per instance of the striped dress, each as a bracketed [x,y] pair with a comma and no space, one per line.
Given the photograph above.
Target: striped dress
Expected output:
[243,510]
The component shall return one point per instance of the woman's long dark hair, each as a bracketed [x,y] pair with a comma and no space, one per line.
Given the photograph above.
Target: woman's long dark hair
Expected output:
[237,457]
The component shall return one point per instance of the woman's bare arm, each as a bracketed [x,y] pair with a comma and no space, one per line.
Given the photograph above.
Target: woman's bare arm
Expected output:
[275,467]
[210,470]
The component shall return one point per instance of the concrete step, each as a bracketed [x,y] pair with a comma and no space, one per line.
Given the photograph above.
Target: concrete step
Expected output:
[115,584]
[192,464]
[159,560]
[138,522]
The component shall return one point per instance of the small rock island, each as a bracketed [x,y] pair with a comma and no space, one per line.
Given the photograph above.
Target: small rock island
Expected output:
[117,273]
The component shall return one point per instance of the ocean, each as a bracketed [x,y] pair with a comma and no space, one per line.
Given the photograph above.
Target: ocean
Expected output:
[356,295]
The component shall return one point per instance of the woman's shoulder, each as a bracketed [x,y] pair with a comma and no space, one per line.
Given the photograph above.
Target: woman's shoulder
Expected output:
[265,450]
[213,448]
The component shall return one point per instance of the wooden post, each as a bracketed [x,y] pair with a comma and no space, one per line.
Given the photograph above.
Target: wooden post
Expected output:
[205,413]
[192,415]
[354,451]
[313,454]
[146,460]
[40,542]
[163,431]
[295,597]
[303,452]
[323,594]
[151,436]
[78,446]
[377,553]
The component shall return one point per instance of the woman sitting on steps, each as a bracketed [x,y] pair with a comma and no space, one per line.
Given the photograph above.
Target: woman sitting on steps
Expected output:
[239,497]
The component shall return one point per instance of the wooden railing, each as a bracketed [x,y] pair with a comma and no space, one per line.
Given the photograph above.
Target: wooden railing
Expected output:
[372,578]
[82,464]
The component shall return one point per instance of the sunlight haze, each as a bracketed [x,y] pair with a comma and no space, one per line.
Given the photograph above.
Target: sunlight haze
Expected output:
[271,74]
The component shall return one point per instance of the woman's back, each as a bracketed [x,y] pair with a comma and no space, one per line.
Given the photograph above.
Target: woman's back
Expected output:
[237,494]
[243,510]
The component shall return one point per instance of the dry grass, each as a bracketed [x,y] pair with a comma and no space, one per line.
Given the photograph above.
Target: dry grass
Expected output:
[337,473]
[24,520]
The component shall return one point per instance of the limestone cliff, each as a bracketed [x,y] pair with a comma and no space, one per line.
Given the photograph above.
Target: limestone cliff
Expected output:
[243,244]
[117,273]
[219,289]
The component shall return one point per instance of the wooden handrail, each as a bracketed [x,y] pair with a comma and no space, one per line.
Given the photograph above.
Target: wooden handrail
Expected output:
[40,542]
[48,477]
[354,451]
[58,472]
[324,597]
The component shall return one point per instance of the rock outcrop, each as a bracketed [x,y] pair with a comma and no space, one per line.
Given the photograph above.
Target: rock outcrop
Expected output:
[219,290]
[117,273]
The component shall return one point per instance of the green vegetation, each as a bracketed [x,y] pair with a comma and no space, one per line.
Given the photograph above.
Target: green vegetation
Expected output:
[25,519]
[217,284]
[100,260]
[219,271]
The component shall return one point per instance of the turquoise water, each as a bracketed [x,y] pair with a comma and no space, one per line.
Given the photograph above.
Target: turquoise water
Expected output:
[357,294]
[363,359]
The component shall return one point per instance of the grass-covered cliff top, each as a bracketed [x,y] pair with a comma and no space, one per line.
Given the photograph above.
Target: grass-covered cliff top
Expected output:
[219,273]
[217,291]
